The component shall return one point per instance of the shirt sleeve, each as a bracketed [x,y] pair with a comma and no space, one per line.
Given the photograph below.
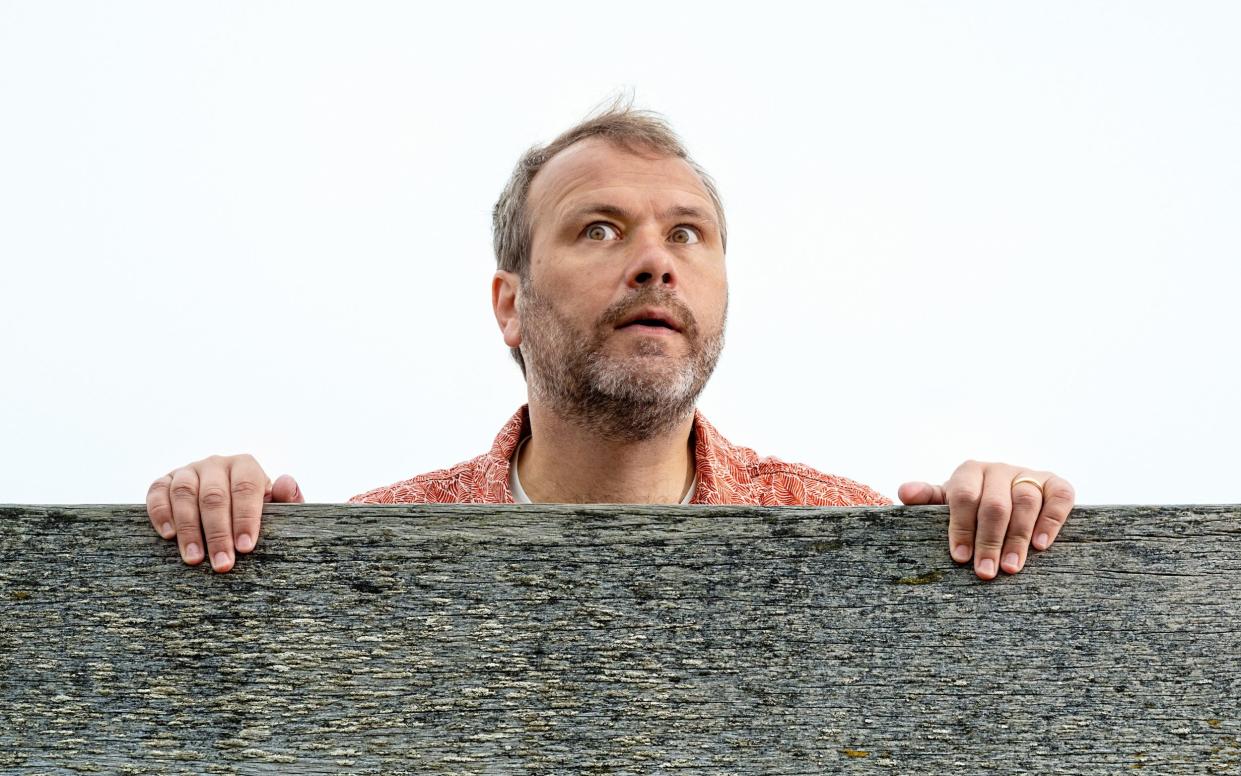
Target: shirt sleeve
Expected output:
[829,490]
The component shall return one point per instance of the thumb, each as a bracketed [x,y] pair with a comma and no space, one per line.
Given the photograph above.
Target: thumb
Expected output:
[921,493]
[284,490]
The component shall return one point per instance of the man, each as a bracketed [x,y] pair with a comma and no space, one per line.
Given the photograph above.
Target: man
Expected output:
[611,292]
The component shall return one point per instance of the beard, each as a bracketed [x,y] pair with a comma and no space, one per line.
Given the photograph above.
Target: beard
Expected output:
[630,396]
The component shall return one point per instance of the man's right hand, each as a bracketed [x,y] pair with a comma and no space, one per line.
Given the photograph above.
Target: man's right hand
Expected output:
[220,498]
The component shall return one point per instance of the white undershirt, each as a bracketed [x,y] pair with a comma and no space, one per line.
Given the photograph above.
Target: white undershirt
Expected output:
[520,497]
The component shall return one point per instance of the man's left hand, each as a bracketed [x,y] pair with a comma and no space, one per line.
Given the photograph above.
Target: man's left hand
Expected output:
[994,510]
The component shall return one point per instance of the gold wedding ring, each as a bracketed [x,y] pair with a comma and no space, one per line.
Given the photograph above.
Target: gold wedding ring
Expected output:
[1030,480]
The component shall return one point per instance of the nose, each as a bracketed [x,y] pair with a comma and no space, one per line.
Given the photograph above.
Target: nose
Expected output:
[653,265]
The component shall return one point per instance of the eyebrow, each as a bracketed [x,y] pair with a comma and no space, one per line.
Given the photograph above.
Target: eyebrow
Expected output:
[620,213]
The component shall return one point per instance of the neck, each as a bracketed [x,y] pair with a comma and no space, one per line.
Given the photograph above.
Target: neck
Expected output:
[566,463]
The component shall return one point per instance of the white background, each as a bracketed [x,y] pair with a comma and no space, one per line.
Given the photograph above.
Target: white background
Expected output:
[1001,231]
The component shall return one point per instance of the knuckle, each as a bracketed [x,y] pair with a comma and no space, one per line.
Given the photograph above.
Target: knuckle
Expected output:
[962,497]
[160,485]
[1018,539]
[1027,498]
[246,488]
[1061,491]
[184,491]
[247,511]
[989,546]
[217,538]
[1055,518]
[213,497]
[958,535]
[993,508]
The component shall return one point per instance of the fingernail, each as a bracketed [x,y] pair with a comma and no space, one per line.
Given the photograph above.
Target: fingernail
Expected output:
[165,530]
[1041,541]
[987,567]
[961,553]
[1011,560]
[244,542]
[221,560]
[192,552]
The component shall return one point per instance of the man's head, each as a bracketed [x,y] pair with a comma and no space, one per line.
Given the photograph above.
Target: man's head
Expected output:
[609,223]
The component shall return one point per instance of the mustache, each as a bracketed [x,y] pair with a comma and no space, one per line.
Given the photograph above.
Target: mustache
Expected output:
[651,296]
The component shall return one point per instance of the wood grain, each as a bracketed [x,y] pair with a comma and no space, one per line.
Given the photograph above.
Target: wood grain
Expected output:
[453,639]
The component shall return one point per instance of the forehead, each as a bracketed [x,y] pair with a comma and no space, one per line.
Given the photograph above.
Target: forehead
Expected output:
[595,169]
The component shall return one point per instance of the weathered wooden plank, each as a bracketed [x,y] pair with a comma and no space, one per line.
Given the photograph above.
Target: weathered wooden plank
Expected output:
[566,639]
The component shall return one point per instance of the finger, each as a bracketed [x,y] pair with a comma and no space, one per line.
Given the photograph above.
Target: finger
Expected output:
[994,511]
[214,503]
[247,485]
[1058,500]
[1027,500]
[286,491]
[159,507]
[962,492]
[184,495]
[921,493]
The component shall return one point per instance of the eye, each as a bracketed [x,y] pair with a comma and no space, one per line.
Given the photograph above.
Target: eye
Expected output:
[601,231]
[685,235]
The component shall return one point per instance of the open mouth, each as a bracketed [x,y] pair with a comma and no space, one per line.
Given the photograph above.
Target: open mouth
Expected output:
[652,322]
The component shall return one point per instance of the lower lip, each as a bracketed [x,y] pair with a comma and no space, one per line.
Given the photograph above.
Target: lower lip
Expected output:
[655,330]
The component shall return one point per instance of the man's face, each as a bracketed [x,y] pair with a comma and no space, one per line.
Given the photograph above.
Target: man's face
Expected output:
[623,307]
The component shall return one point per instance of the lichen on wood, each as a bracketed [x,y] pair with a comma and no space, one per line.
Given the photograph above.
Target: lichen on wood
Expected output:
[618,639]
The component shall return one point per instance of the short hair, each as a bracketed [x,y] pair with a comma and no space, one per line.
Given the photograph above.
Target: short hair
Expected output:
[619,123]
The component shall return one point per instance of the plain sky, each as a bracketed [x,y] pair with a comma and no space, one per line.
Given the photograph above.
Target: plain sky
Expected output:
[1002,231]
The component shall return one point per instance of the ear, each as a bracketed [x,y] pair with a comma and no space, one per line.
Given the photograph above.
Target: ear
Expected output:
[505,287]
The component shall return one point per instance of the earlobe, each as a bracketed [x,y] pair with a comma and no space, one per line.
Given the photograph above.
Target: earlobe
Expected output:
[505,288]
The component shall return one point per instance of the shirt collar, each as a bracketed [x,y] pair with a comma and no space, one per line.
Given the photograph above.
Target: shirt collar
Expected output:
[709,463]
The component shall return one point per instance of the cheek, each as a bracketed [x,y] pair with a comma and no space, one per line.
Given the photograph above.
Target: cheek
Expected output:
[710,275]
[573,287]
[712,302]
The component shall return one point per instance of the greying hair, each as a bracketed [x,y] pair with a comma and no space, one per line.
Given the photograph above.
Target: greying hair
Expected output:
[638,131]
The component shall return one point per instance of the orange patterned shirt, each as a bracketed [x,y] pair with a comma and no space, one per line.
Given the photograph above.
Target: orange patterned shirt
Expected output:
[727,474]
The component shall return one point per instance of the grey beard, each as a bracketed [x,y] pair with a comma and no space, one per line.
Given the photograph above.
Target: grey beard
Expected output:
[614,398]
